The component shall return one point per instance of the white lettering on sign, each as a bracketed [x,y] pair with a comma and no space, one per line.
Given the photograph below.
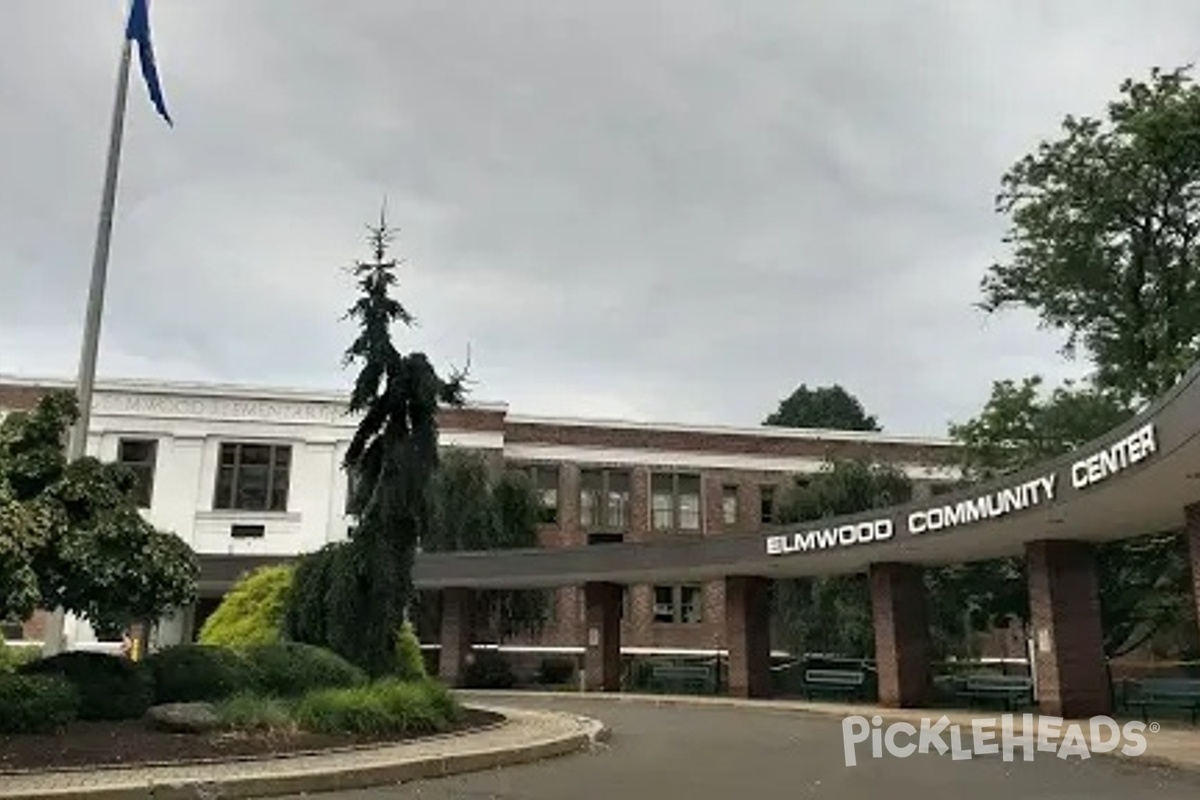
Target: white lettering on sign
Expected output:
[821,539]
[989,506]
[1137,446]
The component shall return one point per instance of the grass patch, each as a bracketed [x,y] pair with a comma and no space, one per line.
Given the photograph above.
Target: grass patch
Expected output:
[389,707]
[250,712]
[385,707]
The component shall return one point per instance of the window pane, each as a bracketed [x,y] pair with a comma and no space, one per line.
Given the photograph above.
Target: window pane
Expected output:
[662,484]
[618,510]
[229,453]
[689,484]
[691,604]
[689,512]
[136,451]
[256,454]
[661,512]
[618,482]
[224,495]
[279,489]
[664,603]
[768,504]
[251,490]
[589,506]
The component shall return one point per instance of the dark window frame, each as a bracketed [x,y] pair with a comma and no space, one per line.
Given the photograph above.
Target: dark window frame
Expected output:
[144,467]
[604,507]
[546,481]
[768,507]
[228,491]
[676,493]
[678,608]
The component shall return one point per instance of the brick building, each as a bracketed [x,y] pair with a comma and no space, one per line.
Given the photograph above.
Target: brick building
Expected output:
[247,475]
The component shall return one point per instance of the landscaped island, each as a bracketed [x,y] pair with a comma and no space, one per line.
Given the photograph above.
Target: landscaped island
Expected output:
[204,702]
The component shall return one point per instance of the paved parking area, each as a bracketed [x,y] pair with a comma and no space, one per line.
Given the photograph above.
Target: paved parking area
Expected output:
[724,753]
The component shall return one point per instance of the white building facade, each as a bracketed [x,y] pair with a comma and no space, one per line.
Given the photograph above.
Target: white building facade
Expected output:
[254,473]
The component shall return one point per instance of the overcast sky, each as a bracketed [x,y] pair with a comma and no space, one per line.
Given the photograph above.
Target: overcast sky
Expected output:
[663,211]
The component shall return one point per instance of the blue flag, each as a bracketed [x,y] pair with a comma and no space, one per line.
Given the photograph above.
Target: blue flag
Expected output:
[138,31]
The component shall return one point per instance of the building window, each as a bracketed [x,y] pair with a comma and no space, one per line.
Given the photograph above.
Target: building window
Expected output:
[140,456]
[729,506]
[675,502]
[604,499]
[253,477]
[678,604]
[544,478]
[767,504]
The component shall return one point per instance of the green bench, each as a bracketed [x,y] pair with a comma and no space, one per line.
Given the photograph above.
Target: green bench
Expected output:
[1012,691]
[834,682]
[1181,693]
[683,678]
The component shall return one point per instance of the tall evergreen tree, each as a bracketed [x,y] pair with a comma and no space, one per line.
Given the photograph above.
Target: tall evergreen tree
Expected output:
[393,456]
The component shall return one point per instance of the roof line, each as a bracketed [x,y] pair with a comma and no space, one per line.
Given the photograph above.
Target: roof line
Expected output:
[217,389]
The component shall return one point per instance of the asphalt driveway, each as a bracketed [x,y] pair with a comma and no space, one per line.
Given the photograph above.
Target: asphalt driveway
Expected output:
[716,753]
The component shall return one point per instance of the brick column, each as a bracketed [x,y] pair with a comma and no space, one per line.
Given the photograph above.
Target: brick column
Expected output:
[456,635]
[1064,603]
[602,653]
[1191,532]
[898,605]
[748,635]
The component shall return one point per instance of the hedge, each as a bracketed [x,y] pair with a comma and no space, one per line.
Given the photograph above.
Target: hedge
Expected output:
[109,687]
[253,612]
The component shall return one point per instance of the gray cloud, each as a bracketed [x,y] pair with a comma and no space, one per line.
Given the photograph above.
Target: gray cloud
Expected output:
[675,211]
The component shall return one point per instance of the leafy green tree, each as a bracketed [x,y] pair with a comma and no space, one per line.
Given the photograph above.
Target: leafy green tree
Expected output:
[394,456]
[252,612]
[1144,582]
[824,407]
[832,614]
[474,510]
[1105,236]
[71,536]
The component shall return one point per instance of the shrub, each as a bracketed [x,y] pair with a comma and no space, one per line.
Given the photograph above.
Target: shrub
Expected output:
[12,658]
[387,707]
[290,669]
[556,671]
[410,660]
[189,673]
[249,712]
[489,670]
[253,611]
[109,687]
[36,703]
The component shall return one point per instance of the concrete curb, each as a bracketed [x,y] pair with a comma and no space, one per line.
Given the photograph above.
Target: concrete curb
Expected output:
[1187,761]
[545,735]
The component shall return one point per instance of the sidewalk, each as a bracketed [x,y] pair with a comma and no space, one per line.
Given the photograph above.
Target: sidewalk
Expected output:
[1172,744]
[526,736]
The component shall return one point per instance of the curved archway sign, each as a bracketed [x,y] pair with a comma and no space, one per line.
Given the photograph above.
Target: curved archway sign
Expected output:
[1137,479]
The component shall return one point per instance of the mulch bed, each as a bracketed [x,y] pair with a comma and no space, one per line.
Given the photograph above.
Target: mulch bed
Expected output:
[126,743]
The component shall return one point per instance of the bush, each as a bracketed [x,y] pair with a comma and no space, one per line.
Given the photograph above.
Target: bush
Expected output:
[36,703]
[253,611]
[12,658]
[556,671]
[489,670]
[109,687]
[290,669]
[410,660]
[190,673]
[387,707]
[249,712]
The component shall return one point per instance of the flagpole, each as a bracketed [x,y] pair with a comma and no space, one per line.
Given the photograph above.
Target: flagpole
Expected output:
[77,445]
